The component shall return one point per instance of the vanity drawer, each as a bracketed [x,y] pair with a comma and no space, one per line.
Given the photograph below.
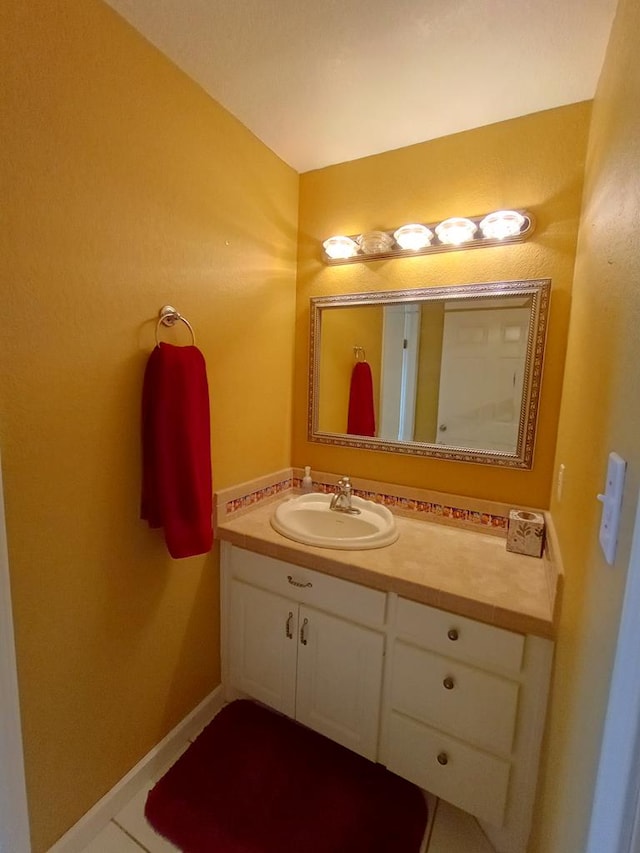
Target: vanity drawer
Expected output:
[469,778]
[450,695]
[342,598]
[459,637]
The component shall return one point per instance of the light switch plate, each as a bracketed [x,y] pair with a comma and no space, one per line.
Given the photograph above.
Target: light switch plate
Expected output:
[560,483]
[611,506]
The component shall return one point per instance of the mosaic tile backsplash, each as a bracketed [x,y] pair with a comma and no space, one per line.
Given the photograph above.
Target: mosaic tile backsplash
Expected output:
[418,508]
[258,495]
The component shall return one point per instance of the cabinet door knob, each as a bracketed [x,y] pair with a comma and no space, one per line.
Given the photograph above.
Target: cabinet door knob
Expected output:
[288,630]
[297,583]
[452,634]
[449,683]
[303,632]
[443,758]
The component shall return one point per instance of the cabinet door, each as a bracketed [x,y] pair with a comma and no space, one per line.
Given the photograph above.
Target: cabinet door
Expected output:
[263,646]
[339,680]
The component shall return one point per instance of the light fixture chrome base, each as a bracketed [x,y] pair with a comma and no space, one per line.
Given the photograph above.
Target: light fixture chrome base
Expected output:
[436,245]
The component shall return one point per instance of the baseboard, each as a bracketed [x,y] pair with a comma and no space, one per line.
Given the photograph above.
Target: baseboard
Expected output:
[14,818]
[432,806]
[162,755]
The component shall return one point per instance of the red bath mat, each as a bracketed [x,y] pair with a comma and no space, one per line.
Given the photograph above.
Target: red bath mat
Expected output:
[256,782]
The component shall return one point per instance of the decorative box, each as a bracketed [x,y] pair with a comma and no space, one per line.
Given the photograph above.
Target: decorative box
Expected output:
[525,534]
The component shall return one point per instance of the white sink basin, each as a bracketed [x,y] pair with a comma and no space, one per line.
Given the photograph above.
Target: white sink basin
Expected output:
[309,520]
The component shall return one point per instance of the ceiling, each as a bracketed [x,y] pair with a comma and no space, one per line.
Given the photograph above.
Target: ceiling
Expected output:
[326,81]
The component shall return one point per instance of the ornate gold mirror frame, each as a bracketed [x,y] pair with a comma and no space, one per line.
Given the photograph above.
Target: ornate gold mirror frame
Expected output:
[534,294]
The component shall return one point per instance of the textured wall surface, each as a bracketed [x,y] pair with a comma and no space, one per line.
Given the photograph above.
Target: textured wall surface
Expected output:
[124,187]
[600,412]
[535,162]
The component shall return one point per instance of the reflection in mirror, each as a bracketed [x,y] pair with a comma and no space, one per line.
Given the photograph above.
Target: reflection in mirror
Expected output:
[451,372]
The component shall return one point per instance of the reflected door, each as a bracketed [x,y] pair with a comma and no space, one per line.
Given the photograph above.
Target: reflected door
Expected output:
[400,343]
[481,384]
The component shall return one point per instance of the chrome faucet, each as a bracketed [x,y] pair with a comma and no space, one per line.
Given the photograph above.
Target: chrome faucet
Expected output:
[341,501]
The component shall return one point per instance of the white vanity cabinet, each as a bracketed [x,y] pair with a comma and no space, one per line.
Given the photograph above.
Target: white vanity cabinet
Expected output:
[306,644]
[450,703]
[464,709]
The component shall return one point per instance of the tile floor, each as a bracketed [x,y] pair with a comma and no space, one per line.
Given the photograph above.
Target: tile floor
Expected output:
[449,830]
[452,831]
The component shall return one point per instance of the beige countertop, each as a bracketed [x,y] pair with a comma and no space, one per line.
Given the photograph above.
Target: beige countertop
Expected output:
[463,571]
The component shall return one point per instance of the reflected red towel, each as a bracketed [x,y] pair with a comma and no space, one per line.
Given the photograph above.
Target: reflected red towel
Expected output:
[176,449]
[362,419]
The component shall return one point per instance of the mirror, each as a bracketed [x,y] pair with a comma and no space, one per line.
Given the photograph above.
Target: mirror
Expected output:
[449,372]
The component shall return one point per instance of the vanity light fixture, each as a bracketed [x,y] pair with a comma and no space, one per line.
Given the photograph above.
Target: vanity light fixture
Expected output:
[455,231]
[501,224]
[493,229]
[340,248]
[414,236]
[374,242]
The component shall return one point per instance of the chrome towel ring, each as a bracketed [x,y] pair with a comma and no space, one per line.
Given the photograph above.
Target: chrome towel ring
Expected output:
[168,316]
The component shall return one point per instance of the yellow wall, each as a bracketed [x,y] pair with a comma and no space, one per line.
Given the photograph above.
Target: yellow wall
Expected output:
[600,412]
[534,162]
[124,187]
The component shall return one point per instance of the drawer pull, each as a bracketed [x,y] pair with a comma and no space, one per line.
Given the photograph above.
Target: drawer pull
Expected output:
[453,634]
[443,758]
[303,632]
[297,583]
[288,630]
[449,683]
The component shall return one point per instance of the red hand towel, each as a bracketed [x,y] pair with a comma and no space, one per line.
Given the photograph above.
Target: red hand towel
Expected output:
[362,419]
[176,449]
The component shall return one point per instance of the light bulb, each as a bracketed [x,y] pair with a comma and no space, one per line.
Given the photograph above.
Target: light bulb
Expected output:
[501,224]
[413,236]
[456,230]
[374,242]
[339,247]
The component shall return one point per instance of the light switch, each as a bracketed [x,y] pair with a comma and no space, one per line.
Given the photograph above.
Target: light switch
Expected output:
[611,505]
[560,483]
